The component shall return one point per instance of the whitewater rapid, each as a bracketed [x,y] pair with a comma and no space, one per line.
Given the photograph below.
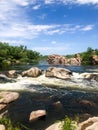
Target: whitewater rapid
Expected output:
[27,83]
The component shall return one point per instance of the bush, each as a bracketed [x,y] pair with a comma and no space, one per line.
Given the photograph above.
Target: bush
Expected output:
[69,124]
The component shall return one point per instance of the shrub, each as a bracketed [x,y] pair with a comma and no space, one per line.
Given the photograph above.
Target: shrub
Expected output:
[69,124]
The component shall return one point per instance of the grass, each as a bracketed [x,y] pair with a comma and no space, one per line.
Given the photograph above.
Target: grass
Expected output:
[9,125]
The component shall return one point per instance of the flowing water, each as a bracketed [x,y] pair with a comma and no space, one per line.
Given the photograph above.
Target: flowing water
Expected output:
[58,97]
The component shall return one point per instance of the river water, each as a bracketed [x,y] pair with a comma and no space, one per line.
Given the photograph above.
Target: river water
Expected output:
[53,96]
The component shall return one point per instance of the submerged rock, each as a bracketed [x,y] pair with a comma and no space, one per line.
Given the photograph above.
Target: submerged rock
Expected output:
[58,73]
[33,72]
[37,114]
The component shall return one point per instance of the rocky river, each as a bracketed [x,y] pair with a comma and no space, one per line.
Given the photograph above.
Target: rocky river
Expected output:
[74,96]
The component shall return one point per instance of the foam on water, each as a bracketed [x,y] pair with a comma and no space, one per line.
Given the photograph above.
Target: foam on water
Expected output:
[39,83]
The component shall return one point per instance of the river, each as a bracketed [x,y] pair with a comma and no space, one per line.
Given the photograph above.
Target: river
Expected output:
[58,97]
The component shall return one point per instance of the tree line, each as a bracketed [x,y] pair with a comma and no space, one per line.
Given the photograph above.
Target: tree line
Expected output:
[10,55]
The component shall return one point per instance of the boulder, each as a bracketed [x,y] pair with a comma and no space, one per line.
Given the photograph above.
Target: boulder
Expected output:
[58,73]
[56,59]
[2,127]
[37,114]
[32,72]
[90,76]
[7,97]
[58,105]
[2,106]
[55,126]
[90,124]
[12,74]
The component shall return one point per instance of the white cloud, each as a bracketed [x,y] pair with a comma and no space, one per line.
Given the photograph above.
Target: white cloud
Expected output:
[36,7]
[49,1]
[50,50]
[72,1]
[87,28]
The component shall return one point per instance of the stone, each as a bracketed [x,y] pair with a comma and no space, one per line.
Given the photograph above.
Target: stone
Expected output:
[32,72]
[2,127]
[12,74]
[58,59]
[37,114]
[55,126]
[2,106]
[57,105]
[90,124]
[7,97]
[58,73]
[90,76]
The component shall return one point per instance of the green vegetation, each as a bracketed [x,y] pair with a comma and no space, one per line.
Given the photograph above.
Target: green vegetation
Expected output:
[9,125]
[69,124]
[10,55]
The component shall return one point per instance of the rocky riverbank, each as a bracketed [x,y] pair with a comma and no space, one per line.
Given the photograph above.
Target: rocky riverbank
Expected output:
[49,96]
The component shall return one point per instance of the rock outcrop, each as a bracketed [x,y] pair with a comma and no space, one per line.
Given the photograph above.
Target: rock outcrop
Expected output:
[37,114]
[32,72]
[58,73]
[58,59]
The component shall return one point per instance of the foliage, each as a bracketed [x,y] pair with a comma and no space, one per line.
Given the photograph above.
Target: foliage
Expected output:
[9,125]
[16,54]
[69,124]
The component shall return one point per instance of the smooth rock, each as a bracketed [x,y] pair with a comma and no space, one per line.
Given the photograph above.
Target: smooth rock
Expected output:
[58,73]
[33,72]
[7,97]
[90,124]
[55,126]
[2,127]
[37,114]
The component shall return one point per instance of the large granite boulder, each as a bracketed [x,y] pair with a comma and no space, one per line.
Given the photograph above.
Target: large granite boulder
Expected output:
[90,124]
[32,72]
[7,97]
[58,73]
[37,114]
[56,59]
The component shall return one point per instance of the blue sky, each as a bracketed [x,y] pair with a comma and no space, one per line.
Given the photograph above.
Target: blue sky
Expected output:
[50,26]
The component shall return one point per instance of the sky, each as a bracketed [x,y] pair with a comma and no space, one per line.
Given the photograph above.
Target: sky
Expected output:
[50,26]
